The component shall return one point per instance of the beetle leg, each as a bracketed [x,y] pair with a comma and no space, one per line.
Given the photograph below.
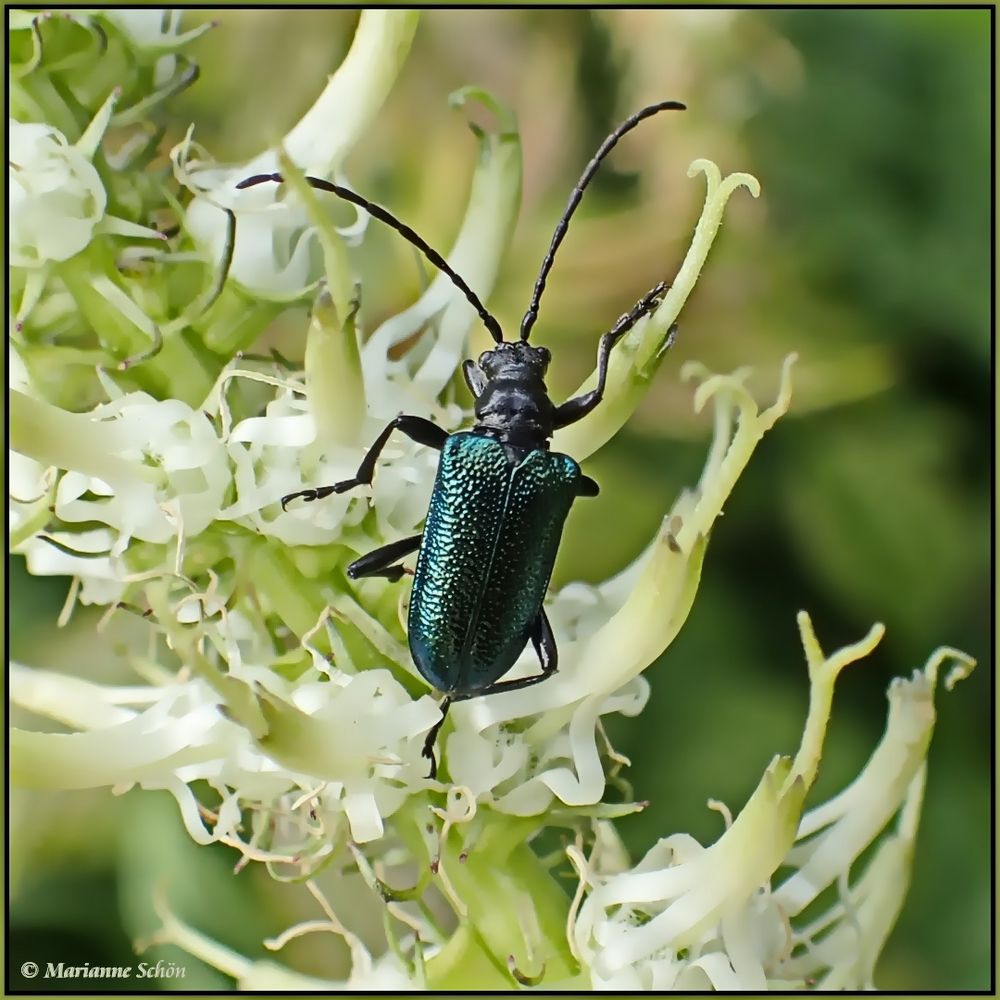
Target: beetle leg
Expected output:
[417,428]
[545,643]
[588,487]
[428,750]
[574,409]
[379,561]
[548,655]
[515,685]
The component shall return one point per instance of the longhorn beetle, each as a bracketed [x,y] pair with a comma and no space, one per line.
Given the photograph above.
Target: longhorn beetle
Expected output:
[501,496]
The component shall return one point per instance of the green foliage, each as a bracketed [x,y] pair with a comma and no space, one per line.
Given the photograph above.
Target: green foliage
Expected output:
[876,168]
[879,167]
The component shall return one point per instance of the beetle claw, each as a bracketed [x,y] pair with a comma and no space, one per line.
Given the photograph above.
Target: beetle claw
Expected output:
[428,752]
[308,495]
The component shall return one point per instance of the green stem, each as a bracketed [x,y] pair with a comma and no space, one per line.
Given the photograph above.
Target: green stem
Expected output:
[37,93]
[515,908]
[295,599]
[235,320]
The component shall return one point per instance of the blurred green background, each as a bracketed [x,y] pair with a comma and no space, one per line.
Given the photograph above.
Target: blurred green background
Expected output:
[868,254]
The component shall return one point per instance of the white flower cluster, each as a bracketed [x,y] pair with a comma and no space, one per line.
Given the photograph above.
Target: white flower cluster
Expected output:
[161,472]
[157,472]
[276,254]
[689,917]
[56,195]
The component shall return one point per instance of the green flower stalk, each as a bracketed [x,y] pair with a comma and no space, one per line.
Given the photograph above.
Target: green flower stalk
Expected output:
[152,478]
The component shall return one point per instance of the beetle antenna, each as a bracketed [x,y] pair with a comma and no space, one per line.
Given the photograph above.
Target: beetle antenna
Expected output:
[384,215]
[574,199]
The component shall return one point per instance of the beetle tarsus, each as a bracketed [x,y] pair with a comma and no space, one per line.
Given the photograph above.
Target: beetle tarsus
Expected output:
[319,493]
[575,409]
[309,496]
[544,642]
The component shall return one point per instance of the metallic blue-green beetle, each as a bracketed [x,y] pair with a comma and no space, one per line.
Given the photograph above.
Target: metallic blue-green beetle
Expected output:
[501,496]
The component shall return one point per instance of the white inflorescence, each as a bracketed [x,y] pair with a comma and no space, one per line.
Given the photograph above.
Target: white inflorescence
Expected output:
[292,696]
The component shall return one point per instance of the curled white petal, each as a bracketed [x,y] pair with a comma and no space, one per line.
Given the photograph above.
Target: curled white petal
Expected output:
[636,359]
[476,255]
[55,195]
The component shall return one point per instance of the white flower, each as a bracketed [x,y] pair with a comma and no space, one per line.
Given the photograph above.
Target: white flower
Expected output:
[56,197]
[144,469]
[154,28]
[276,254]
[343,750]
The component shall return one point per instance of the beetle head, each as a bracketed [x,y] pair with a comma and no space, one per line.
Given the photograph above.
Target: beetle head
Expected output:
[511,399]
[517,361]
